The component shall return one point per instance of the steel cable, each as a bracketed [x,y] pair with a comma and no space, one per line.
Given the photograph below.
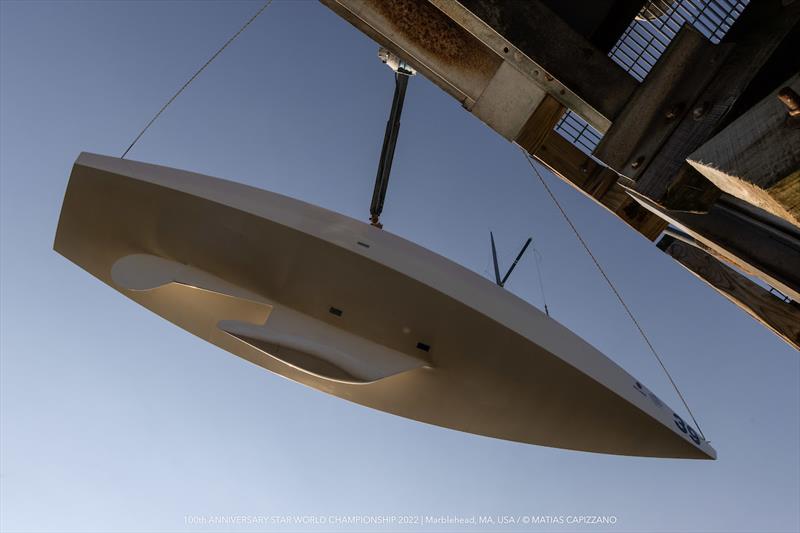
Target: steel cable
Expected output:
[190,80]
[614,290]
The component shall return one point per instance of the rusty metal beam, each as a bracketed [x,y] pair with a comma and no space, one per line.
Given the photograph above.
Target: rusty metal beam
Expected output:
[537,32]
[500,80]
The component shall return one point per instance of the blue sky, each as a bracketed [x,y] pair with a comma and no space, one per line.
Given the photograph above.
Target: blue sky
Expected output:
[112,419]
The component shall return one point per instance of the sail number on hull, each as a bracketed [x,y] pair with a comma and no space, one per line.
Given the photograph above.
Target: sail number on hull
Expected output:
[686,428]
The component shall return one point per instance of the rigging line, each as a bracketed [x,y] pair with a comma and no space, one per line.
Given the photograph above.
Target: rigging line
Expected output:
[488,263]
[537,259]
[190,80]
[614,289]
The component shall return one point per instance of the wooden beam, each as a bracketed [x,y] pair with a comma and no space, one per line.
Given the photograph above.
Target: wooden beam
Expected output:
[752,39]
[686,99]
[757,157]
[769,253]
[660,103]
[540,124]
[596,181]
[782,317]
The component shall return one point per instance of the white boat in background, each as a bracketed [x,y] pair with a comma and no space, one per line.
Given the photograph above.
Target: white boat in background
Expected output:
[354,311]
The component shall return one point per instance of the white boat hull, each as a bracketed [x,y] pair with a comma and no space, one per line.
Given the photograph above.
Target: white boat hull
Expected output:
[354,311]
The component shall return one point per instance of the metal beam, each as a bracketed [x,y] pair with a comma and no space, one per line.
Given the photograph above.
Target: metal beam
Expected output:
[532,28]
[499,77]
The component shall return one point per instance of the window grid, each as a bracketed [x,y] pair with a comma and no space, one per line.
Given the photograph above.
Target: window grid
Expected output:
[646,38]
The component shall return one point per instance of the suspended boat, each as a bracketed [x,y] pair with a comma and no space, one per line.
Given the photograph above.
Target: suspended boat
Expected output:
[354,311]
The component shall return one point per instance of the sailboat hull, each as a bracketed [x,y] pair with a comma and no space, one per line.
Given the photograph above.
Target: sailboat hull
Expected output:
[354,311]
